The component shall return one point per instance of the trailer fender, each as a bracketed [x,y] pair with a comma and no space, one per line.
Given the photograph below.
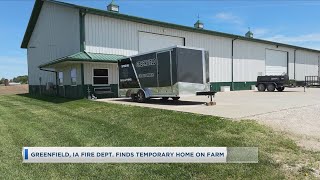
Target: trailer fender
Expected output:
[147,92]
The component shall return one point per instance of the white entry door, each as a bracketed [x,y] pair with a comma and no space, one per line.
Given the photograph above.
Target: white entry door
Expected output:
[150,42]
[276,62]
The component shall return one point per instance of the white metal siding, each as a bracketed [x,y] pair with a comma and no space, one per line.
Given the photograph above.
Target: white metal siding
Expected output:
[276,62]
[112,69]
[249,61]
[150,42]
[307,64]
[114,36]
[55,35]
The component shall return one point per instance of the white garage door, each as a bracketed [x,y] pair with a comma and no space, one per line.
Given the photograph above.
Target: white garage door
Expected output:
[276,62]
[149,42]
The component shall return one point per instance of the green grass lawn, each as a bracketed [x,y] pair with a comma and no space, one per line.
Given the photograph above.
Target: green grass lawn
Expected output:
[30,121]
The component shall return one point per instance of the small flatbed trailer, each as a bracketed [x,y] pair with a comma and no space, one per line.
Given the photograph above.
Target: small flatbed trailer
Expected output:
[311,81]
[271,83]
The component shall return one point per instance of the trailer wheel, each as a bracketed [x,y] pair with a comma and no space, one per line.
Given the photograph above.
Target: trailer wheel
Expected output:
[175,98]
[134,97]
[261,87]
[141,97]
[280,89]
[271,87]
[164,98]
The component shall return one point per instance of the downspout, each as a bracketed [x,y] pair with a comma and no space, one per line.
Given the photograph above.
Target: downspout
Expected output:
[232,58]
[294,64]
[82,14]
[56,77]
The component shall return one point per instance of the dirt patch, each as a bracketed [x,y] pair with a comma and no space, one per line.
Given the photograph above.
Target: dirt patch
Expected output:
[17,89]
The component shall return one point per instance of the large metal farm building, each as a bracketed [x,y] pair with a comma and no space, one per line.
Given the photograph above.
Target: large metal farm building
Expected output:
[74,49]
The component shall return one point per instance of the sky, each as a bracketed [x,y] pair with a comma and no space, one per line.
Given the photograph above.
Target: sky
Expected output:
[292,22]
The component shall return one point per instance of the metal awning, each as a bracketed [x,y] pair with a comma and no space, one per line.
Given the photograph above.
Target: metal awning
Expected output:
[85,57]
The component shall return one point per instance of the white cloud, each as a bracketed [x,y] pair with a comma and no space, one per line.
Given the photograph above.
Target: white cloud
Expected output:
[313,37]
[228,18]
[260,32]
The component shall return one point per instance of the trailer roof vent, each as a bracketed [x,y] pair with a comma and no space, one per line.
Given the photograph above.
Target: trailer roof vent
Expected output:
[249,34]
[112,7]
[199,24]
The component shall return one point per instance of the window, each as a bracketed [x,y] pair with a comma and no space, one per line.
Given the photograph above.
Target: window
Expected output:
[73,75]
[100,76]
[60,78]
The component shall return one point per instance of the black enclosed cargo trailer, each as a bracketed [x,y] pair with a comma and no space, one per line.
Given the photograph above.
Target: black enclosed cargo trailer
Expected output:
[167,73]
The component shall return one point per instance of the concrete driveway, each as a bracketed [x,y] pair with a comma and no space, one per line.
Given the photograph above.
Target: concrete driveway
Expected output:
[293,111]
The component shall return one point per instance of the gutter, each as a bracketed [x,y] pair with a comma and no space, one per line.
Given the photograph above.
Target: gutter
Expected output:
[41,69]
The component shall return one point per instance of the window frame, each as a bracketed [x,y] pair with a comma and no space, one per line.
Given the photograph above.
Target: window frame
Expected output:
[60,83]
[76,82]
[100,76]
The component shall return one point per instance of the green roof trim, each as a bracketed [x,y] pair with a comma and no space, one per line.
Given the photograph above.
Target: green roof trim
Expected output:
[37,8]
[85,57]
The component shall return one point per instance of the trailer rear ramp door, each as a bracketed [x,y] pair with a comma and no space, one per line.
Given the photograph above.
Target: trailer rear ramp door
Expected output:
[164,72]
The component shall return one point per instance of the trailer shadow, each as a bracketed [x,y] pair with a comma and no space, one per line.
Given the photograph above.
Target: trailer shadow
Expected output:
[164,102]
[290,91]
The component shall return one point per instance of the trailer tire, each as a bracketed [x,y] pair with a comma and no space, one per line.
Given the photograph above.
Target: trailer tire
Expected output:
[175,98]
[271,87]
[261,87]
[141,97]
[164,98]
[134,97]
[280,89]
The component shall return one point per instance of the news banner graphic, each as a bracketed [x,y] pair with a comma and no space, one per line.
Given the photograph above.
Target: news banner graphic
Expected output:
[140,155]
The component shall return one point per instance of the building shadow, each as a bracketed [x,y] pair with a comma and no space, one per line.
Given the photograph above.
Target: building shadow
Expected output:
[47,98]
[164,102]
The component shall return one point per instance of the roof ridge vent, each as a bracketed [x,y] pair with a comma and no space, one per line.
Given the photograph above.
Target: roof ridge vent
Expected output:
[249,34]
[112,7]
[199,24]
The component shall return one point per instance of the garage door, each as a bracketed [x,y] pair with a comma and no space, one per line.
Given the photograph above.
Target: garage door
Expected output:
[149,42]
[276,62]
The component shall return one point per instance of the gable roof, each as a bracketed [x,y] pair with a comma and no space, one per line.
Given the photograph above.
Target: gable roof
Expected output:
[85,57]
[38,5]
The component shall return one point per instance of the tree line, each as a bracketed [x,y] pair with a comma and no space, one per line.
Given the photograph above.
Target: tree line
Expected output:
[18,79]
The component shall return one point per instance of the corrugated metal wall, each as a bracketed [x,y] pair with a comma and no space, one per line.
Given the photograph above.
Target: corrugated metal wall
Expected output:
[114,36]
[56,35]
[307,64]
[249,60]
[113,71]
[109,35]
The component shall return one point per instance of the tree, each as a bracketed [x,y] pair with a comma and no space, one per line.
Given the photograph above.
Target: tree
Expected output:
[2,80]
[21,79]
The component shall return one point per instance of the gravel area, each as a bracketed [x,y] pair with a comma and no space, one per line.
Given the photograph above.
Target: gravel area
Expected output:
[293,111]
[302,124]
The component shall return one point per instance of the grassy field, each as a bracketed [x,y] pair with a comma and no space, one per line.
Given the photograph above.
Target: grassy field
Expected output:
[39,121]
